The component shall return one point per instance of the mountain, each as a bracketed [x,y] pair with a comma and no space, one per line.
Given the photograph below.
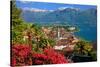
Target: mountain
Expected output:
[74,16]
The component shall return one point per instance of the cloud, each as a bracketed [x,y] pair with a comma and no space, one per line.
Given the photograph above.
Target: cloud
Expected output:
[62,8]
[34,9]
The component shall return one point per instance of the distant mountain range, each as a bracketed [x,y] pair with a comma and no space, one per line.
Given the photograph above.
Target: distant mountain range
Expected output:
[61,15]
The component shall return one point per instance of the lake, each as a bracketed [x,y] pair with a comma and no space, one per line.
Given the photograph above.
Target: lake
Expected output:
[87,32]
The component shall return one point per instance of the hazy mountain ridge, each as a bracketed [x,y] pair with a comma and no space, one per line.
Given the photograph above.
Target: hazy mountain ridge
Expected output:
[67,15]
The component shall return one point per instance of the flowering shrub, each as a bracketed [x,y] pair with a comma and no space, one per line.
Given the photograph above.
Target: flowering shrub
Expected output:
[39,59]
[21,50]
[23,55]
[49,56]
[54,57]
[13,62]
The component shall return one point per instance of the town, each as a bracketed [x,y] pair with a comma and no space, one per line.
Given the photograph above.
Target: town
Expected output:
[64,39]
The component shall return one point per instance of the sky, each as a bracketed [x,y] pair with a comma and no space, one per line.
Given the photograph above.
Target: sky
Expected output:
[49,6]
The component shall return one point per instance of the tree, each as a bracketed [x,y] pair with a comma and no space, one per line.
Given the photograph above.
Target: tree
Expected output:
[16,23]
[15,14]
[85,48]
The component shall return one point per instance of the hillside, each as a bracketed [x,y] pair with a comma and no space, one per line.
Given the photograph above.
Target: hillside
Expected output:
[62,15]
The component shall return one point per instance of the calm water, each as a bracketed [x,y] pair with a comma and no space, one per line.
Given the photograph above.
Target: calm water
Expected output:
[87,33]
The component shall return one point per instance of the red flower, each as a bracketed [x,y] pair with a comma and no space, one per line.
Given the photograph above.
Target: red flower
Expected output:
[21,50]
[13,63]
[49,56]
[54,57]
[38,62]
[23,55]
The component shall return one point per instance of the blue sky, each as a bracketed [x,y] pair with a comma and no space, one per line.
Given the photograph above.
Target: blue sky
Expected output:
[49,6]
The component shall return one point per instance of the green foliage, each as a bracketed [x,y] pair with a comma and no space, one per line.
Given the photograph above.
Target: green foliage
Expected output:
[85,48]
[93,54]
[17,23]
[15,14]
[46,42]
[17,33]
